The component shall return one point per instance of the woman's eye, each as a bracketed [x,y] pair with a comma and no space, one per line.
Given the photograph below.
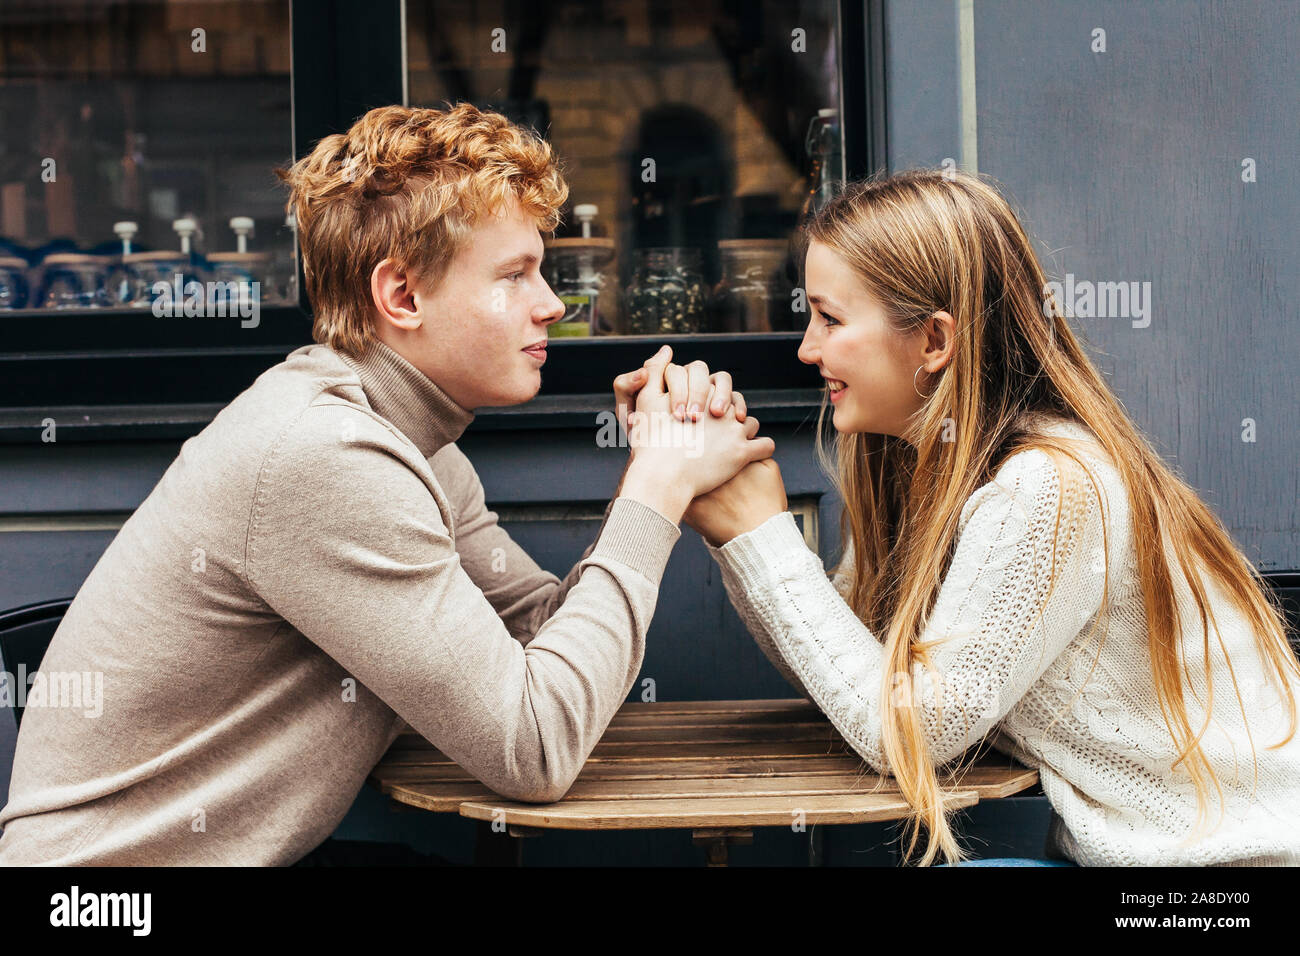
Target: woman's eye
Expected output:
[829,319]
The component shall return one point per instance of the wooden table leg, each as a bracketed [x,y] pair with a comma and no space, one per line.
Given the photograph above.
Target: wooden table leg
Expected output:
[498,848]
[716,840]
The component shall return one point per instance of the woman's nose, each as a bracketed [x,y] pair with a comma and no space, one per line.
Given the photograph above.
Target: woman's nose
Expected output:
[808,352]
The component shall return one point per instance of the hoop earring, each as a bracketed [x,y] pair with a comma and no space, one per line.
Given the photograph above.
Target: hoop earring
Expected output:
[914,388]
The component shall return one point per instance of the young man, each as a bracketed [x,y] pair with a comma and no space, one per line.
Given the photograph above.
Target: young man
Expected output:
[318,569]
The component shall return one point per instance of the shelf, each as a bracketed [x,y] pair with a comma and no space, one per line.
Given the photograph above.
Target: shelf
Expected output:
[97,423]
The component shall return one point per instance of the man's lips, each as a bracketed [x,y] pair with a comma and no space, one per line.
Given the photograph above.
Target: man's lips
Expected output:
[537,351]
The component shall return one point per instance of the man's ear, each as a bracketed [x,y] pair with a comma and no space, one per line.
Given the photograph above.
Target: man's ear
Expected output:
[392,290]
[939,341]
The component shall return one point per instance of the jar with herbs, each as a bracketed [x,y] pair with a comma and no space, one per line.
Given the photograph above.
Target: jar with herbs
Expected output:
[666,294]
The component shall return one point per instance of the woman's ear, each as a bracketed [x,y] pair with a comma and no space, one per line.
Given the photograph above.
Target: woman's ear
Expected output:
[939,341]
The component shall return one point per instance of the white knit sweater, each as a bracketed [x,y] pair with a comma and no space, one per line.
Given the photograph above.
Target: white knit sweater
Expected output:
[1105,766]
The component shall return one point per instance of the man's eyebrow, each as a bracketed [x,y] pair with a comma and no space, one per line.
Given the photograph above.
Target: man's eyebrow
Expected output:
[523,259]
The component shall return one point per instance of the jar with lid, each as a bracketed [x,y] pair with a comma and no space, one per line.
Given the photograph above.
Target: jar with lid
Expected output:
[753,294]
[237,281]
[13,282]
[666,294]
[237,277]
[579,273]
[73,281]
[175,270]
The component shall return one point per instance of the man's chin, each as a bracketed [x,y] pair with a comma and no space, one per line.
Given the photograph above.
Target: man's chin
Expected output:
[520,397]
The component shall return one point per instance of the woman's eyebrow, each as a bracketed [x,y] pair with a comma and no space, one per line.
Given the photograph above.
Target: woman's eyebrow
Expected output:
[820,300]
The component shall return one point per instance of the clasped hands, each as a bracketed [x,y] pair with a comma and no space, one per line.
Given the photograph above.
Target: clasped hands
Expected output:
[734,484]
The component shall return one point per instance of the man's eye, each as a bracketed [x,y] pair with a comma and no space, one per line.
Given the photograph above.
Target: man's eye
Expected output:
[517,275]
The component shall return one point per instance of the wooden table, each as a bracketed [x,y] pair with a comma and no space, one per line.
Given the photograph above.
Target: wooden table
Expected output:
[717,768]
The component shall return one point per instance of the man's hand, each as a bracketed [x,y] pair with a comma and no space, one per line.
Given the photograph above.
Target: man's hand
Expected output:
[688,389]
[671,466]
[754,495]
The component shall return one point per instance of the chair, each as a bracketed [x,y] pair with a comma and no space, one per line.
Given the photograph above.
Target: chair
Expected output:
[25,633]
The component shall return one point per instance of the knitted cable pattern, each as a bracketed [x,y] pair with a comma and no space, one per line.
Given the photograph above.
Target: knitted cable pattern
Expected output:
[1076,703]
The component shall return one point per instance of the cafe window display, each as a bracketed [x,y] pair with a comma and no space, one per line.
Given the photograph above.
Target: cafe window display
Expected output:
[703,135]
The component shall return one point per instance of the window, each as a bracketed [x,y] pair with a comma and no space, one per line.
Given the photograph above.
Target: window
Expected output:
[695,136]
[140,139]
[154,111]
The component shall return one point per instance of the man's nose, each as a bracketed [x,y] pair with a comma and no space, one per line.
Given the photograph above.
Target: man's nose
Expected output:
[553,310]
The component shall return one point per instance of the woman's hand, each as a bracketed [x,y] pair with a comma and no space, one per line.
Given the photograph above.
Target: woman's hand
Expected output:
[688,388]
[754,495]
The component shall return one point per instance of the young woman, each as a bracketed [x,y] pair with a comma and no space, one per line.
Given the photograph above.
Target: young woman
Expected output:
[1018,564]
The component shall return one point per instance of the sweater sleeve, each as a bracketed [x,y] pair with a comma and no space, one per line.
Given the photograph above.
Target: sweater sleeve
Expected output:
[349,543]
[991,643]
[523,594]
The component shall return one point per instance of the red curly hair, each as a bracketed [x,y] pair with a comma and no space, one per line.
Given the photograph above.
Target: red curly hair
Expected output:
[407,184]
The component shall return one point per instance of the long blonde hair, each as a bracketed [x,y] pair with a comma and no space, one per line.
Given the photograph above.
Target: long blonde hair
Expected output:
[924,241]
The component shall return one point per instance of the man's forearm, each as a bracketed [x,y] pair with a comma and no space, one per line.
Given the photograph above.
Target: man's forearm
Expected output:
[654,491]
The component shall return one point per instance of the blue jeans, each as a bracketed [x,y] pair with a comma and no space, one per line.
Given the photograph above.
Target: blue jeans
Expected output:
[1012,861]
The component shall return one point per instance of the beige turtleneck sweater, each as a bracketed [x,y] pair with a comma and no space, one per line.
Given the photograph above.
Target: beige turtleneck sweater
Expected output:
[315,570]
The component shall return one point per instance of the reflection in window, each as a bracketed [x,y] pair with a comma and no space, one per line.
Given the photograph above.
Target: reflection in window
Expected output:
[695,136]
[139,143]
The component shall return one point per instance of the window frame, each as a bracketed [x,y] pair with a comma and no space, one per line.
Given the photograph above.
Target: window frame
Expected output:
[348,56]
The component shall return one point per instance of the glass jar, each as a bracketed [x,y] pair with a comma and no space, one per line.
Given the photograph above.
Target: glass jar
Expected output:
[238,280]
[13,282]
[73,280]
[281,285]
[753,294]
[174,269]
[825,167]
[579,274]
[666,294]
[122,283]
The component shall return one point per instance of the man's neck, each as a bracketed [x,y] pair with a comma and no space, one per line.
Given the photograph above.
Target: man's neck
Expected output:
[405,396]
